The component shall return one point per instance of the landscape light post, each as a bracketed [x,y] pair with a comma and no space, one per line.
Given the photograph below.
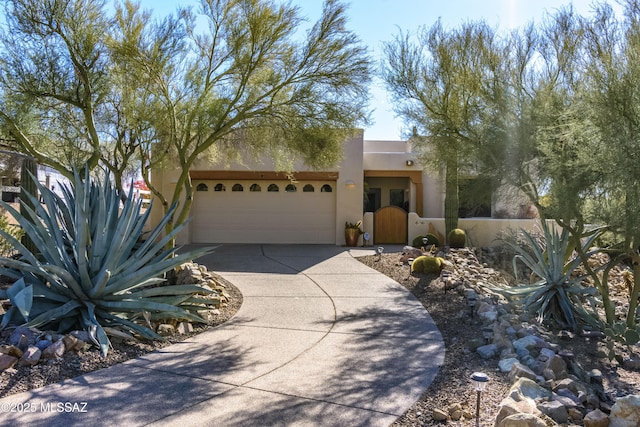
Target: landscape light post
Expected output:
[410,262]
[480,380]
[471,301]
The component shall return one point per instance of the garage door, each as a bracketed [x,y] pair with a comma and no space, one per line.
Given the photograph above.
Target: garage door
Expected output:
[263,212]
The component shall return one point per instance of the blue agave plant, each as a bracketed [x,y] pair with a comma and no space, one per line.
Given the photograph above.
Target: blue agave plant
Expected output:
[558,296]
[92,270]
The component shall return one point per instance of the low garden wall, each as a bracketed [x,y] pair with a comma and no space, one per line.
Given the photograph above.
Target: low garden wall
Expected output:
[481,232]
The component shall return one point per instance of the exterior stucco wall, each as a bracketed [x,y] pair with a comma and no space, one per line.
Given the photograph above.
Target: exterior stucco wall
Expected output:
[433,195]
[480,232]
[349,186]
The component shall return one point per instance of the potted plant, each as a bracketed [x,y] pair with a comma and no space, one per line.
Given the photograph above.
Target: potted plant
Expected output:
[352,232]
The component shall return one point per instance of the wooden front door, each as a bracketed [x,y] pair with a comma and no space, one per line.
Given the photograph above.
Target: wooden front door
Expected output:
[390,225]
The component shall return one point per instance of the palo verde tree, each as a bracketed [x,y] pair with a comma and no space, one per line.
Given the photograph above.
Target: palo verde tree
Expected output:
[51,79]
[612,74]
[80,84]
[249,83]
[67,98]
[450,85]
[586,137]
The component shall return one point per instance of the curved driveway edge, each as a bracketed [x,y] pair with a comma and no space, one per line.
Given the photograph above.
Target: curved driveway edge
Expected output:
[320,340]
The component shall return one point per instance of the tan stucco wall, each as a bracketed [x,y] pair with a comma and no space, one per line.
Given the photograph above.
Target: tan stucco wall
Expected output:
[433,195]
[480,231]
[348,198]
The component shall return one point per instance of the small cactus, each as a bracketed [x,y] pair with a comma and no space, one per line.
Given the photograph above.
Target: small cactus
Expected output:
[427,264]
[457,238]
[431,240]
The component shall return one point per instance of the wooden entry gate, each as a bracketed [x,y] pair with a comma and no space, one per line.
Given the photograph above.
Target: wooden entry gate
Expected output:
[390,225]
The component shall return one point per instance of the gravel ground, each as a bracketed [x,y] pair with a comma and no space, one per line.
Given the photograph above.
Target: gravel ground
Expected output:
[452,384]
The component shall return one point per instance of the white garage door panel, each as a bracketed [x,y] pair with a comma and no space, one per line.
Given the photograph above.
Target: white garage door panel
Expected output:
[263,217]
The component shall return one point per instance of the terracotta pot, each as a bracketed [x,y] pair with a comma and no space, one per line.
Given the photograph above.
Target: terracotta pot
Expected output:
[351,236]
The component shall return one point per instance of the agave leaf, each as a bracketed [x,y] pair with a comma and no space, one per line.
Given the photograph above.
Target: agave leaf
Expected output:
[172,300]
[566,307]
[148,282]
[121,240]
[23,301]
[82,243]
[7,317]
[114,332]
[148,254]
[54,314]
[198,301]
[44,231]
[517,290]
[67,279]
[185,316]
[127,246]
[10,273]
[53,290]
[14,264]
[96,330]
[16,287]
[134,306]
[101,282]
[98,229]
[143,331]
[172,290]
[135,278]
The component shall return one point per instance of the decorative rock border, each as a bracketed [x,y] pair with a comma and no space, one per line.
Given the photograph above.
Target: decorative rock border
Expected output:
[29,346]
[549,386]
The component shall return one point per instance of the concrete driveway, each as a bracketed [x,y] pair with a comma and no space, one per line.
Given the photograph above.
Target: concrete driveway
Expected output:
[320,340]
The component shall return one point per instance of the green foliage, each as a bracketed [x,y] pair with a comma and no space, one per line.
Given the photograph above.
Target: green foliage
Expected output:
[450,85]
[427,264]
[6,248]
[620,333]
[92,271]
[457,238]
[418,242]
[250,83]
[557,297]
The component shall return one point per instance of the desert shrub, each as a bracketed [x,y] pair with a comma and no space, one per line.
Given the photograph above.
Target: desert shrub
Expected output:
[418,242]
[91,271]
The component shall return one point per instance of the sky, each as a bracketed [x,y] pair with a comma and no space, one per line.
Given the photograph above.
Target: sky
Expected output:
[378,21]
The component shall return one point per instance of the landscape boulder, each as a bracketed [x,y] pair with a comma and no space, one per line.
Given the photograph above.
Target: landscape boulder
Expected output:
[626,412]
[522,420]
[596,418]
